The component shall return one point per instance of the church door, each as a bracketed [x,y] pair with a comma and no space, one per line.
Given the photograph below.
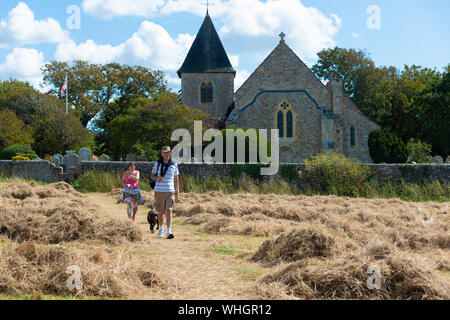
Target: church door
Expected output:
[286,156]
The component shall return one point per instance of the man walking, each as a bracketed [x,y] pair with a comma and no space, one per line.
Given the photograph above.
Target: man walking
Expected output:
[167,189]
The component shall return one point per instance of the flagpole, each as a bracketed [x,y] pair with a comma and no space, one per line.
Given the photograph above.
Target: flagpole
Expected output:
[67,96]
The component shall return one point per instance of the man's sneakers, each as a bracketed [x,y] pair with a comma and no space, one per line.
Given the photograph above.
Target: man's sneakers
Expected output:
[170,236]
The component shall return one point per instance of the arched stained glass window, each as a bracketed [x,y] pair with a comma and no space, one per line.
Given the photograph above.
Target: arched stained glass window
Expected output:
[203,93]
[352,136]
[209,93]
[289,124]
[280,123]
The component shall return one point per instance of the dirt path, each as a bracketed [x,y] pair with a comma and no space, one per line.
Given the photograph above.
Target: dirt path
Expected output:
[198,266]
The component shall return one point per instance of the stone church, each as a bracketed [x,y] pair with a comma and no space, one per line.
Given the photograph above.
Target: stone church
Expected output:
[282,93]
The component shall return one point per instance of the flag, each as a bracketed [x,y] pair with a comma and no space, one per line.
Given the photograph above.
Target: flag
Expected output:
[64,88]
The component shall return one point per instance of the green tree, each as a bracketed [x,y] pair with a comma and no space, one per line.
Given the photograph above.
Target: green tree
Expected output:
[145,123]
[56,132]
[93,87]
[342,63]
[433,105]
[386,146]
[13,130]
[387,95]
[406,113]
[374,89]
[419,152]
[14,96]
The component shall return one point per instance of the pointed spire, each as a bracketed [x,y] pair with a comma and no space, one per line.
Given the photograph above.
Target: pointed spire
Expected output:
[207,53]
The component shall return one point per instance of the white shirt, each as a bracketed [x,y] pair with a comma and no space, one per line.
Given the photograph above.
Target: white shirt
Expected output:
[168,184]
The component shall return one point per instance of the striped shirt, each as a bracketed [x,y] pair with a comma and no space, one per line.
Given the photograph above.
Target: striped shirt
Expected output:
[168,184]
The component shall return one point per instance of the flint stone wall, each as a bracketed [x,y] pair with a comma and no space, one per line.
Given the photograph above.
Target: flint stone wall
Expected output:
[48,172]
[33,170]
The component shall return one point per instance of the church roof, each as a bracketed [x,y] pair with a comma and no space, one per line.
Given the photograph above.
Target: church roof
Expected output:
[207,53]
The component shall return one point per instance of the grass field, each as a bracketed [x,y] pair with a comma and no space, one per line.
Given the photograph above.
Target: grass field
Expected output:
[227,246]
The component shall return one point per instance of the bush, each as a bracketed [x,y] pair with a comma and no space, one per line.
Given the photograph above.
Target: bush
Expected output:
[17,150]
[29,155]
[335,174]
[20,158]
[387,147]
[419,152]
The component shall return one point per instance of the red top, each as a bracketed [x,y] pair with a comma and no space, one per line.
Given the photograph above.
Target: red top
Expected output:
[131,184]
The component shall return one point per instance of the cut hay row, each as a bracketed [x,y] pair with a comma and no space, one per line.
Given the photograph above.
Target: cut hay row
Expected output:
[323,246]
[54,214]
[32,268]
[349,276]
[44,230]
[407,225]
[319,247]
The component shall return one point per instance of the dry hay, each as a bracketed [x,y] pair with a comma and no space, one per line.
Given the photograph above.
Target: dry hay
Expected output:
[198,219]
[56,213]
[117,231]
[322,246]
[32,268]
[346,277]
[405,224]
[296,245]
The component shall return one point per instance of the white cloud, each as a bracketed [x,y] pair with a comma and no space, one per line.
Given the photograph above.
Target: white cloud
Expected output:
[23,64]
[107,9]
[241,77]
[21,28]
[151,46]
[308,29]
[356,35]
[88,50]
[234,60]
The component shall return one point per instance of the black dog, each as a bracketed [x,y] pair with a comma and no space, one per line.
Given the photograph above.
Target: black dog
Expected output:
[152,219]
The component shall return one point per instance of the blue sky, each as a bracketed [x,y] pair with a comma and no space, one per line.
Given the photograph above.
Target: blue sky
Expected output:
[158,33]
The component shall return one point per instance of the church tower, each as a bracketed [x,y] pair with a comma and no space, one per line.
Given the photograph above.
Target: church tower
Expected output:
[207,77]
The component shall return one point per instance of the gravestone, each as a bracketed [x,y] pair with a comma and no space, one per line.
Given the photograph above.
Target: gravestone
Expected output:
[142,159]
[131,157]
[58,159]
[72,161]
[95,158]
[104,157]
[437,160]
[85,154]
